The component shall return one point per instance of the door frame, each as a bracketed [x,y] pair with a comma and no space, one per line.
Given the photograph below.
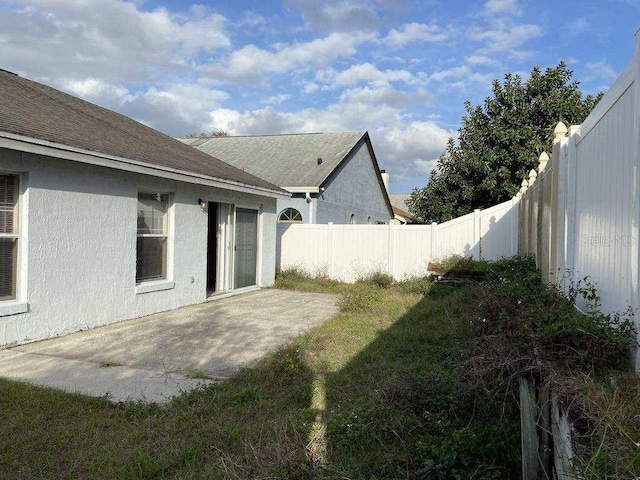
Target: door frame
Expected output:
[258,209]
[226,244]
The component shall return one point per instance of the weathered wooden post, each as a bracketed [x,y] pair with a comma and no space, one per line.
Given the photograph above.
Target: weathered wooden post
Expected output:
[528,431]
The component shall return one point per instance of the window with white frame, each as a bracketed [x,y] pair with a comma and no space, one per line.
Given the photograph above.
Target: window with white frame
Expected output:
[290,215]
[153,236]
[9,235]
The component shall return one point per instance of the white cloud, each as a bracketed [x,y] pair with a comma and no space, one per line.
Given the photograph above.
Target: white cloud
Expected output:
[401,145]
[310,87]
[97,91]
[411,149]
[339,15]
[176,108]
[578,26]
[363,73]
[383,96]
[501,7]
[112,40]
[276,99]
[414,32]
[506,39]
[600,71]
[480,60]
[251,64]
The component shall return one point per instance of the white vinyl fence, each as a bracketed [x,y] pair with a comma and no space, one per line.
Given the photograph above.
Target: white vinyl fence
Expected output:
[349,252]
[580,210]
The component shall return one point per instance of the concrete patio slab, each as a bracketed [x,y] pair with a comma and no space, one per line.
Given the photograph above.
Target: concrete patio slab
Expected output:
[149,357]
[115,383]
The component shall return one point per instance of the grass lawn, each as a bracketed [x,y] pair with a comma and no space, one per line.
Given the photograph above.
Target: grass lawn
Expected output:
[374,393]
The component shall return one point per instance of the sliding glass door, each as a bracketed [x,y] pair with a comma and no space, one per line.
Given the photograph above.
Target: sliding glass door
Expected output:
[246,247]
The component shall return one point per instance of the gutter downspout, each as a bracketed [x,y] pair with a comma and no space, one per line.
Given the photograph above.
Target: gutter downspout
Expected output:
[309,200]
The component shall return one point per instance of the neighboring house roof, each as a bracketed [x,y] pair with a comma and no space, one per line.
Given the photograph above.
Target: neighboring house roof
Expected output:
[289,160]
[399,200]
[405,216]
[401,207]
[37,111]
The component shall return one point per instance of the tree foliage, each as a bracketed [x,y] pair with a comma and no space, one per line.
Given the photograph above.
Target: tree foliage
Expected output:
[214,134]
[500,141]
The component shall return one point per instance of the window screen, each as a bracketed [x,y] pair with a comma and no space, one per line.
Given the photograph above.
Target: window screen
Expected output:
[9,235]
[151,258]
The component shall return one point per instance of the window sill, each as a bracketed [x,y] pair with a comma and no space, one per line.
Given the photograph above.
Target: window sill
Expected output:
[13,308]
[154,286]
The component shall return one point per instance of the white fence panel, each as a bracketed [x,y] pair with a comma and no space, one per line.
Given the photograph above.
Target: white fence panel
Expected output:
[359,250]
[458,237]
[590,226]
[349,252]
[606,242]
[499,230]
[304,246]
[413,249]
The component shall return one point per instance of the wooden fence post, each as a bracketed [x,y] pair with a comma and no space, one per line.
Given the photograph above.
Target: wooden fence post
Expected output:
[528,431]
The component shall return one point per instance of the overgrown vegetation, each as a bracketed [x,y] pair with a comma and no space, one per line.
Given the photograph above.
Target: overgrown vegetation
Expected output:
[523,327]
[410,380]
[460,265]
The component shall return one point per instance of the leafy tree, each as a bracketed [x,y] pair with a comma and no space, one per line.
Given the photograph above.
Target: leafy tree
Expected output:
[215,134]
[500,141]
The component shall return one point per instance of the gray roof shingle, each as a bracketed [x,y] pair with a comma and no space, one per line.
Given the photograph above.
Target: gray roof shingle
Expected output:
[399,200]
[284,160]
[35,110]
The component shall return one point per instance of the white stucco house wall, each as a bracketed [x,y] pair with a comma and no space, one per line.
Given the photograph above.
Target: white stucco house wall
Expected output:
[104,219]
[332,177]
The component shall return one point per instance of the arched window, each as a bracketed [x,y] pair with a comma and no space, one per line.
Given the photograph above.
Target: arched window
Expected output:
[290,215]
[368,220]
[352,219]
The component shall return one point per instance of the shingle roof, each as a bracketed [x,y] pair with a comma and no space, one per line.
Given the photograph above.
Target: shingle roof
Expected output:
[34,110]
[408,216]
[399,200]
[284,160]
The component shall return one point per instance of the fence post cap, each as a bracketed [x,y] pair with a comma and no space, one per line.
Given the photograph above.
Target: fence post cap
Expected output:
[542,161]
[560,131]
[524,183]
[532,175]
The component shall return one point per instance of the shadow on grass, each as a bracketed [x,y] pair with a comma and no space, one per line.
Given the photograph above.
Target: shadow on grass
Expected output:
[370,394]
[399,408]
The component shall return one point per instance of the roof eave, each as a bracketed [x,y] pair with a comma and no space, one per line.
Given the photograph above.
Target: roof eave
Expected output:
[367,141]
[315,189]
[44,147]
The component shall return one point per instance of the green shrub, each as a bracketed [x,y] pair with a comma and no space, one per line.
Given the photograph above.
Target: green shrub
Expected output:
[419,285]
[379,279]
[459,264]
[359,300]
[289,277]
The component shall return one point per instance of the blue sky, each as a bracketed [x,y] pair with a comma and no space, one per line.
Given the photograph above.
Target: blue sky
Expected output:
[399,69]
